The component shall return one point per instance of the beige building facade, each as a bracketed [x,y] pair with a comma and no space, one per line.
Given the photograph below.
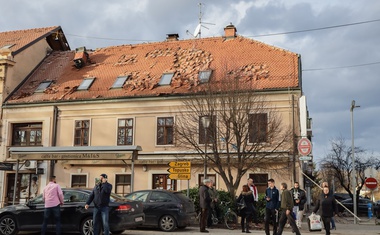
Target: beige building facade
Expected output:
[80,114]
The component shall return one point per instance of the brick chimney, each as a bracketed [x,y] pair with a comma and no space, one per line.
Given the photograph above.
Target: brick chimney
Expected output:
[230,31]
[172,37]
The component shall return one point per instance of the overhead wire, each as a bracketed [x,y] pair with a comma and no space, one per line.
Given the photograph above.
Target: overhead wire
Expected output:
[266,35]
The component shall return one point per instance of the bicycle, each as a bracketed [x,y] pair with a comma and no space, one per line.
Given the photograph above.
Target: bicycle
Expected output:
[229,217]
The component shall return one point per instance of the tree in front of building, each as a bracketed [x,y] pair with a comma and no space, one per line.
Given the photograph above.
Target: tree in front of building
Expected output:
[246,130]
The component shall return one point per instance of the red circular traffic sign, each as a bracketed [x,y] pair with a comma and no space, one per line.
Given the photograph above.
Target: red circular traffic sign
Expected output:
[371,183]
[304,146]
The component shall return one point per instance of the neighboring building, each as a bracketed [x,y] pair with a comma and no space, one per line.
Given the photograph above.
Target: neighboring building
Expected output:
[129,95]
[21,52]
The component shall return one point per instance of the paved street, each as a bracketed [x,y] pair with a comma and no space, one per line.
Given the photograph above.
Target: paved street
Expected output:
[344,225]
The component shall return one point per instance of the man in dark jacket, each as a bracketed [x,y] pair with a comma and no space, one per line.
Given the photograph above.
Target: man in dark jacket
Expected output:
[100,195]
[272,197]
[299,200]
[204,204]
[286,210]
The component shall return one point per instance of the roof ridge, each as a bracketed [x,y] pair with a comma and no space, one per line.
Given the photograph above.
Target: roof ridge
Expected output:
[33,29]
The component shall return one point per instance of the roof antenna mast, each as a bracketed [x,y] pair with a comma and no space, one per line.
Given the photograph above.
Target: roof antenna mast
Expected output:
[197,31]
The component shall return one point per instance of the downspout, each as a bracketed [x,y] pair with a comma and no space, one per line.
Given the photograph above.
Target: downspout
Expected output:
[294,140]
[54,137]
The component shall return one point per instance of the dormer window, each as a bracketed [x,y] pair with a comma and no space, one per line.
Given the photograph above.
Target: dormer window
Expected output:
[42,87]
[166,79]
[86,83]
[204,76]
[119,83]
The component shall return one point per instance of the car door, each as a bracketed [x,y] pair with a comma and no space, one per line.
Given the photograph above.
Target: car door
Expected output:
[159,203]
[30,216]
[72,209]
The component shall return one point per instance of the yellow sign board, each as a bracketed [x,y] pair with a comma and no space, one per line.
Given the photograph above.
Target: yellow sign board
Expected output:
[179,170]
[179,164]
[180,176]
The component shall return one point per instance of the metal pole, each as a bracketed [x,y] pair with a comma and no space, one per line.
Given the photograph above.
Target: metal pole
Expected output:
[353,160]
[205,160]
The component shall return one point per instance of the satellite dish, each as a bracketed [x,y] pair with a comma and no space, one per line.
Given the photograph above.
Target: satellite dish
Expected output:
[197,30]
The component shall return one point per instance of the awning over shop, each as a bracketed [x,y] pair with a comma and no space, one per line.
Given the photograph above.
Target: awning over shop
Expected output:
[75,153]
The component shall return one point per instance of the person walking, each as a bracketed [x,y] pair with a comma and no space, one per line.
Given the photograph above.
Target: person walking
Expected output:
[328,207]
[214,204]
[272,197]
[204,204]
[299,200]
[286,210]
[247,212]
[53,198]
[255,193]
[325,184]
[100,195]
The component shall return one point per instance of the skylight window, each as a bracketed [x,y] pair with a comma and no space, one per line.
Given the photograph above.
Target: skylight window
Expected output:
[204,76]
[42,87]
[86,83]
[119,83]
[166,79]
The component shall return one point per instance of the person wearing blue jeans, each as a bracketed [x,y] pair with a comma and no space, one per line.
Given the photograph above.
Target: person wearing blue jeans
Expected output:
[53,198]
[100,196]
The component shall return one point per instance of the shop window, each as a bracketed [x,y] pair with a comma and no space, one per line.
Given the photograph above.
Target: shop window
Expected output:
[260,180]
[79,181]
[123,184]
[82,133]
[209,176]
[162,181]
[27,134]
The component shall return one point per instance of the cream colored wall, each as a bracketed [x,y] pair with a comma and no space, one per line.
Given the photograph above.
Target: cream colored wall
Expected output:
[103,118]
[26,61]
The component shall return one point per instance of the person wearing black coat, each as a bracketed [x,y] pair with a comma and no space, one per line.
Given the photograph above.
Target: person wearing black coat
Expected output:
[247,212]
[100,195]
[299,200]
[272,198]
[328,207]
[204,204]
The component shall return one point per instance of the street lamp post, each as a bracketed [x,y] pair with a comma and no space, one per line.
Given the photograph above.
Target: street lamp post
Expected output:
[206,124]
[353,159]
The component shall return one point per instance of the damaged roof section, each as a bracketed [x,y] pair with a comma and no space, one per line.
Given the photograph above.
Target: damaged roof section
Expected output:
[17,40]
[190,64]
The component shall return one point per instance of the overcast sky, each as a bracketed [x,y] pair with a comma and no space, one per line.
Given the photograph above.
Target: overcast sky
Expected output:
[340,64]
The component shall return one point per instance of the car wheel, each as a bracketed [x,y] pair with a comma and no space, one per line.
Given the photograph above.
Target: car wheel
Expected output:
[117,232]
[87,226]
[167,223]
[8,225]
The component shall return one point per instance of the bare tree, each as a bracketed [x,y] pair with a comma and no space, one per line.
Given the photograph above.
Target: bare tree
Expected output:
[338,162]
[246,131]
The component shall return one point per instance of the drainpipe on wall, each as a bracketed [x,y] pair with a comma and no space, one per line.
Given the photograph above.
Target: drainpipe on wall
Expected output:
[54,137]
[294,141]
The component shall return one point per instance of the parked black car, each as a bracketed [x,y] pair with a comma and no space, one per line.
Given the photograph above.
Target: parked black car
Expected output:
[166,210]
[123,214]
[362,206]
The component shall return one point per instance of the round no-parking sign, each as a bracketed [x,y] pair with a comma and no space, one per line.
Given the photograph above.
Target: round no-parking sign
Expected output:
[371,183]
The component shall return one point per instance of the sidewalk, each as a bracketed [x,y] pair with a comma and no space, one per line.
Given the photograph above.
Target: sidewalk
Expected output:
[345,226]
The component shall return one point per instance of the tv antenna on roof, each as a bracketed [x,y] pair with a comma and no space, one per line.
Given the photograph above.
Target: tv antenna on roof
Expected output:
[198,29]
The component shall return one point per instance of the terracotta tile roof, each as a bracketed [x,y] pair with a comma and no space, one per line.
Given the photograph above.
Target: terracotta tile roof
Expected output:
[265,66]
[21,38]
